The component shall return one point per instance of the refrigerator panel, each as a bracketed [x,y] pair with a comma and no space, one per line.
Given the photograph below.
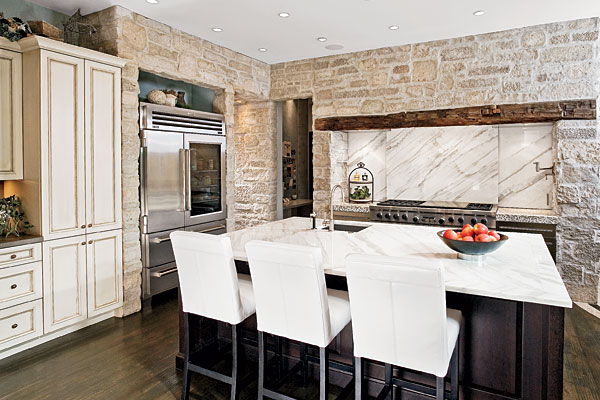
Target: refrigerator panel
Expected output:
[205,179]
[163,183]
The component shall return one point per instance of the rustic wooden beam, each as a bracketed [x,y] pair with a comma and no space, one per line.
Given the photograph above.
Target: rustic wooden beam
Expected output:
[481,115]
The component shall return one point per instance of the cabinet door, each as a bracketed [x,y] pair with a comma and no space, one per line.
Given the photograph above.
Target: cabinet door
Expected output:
[11,130]
[63,147]
[103,146]
[104,271]
[64,277]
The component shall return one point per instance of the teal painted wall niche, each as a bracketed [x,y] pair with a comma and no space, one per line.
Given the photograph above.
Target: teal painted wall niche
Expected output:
[199,98]
[29,11]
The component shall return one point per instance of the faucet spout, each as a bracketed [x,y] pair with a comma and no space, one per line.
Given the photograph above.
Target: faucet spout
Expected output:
[333,189]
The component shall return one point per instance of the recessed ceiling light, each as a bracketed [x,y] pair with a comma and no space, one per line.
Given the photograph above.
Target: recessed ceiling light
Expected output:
[478,13]
[217,29]
[393,27]
[152,1]
[262,49]
[322,39]
[284,14]
[334,47]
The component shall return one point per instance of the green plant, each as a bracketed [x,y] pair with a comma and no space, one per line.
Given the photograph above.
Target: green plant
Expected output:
[360,193]
[13,28]
[12,219]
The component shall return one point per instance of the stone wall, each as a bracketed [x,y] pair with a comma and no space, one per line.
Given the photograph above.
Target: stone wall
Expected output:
[557,61]
[165,51]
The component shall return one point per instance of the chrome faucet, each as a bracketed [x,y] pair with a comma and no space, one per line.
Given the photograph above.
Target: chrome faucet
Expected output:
[333,189]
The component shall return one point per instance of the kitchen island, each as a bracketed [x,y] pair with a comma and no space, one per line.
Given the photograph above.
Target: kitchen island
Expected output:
[512,302]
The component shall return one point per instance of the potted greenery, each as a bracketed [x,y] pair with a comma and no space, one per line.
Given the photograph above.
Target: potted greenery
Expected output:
[12,219]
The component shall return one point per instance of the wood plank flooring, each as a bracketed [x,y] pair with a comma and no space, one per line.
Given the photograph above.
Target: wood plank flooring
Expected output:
[133,358]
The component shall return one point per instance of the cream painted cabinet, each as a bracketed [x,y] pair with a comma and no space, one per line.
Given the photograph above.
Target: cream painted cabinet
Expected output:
[64,281]
[102,146]
[11,131]
[62,145]
[104,272]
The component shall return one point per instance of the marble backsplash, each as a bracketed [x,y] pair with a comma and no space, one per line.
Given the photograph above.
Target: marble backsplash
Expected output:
[487,164]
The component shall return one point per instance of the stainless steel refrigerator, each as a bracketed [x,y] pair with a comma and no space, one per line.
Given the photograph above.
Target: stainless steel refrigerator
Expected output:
[182,176]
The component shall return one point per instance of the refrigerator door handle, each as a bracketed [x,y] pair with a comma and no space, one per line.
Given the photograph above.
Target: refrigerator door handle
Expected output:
[188,192]
[182,174]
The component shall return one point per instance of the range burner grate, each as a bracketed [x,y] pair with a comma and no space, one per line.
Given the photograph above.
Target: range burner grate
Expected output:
[479,206]
[401,203]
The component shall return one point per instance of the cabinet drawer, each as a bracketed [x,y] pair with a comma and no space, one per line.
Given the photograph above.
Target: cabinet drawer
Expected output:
[20,323]
[20,284]
[20,255]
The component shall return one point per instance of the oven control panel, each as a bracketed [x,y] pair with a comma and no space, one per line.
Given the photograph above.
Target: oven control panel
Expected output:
[454,219]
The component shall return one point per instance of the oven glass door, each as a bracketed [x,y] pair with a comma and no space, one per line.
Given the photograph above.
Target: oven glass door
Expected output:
[205,178]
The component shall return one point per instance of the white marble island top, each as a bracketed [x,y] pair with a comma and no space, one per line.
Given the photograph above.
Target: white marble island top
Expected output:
[521,270]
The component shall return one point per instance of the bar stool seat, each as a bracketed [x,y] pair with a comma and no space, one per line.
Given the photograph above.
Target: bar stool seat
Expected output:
[211,287]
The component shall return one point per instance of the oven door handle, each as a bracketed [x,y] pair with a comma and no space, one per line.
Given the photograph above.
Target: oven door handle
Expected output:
[163,273]
[214,228]
[161,240]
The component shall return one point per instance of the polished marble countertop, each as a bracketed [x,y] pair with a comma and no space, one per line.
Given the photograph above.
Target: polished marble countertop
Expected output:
[13,241]
[521,270]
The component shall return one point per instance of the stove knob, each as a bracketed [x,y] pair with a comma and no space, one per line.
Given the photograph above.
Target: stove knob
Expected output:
[451,220]
[387,216]
[441,221]
[461,220]
[405,217]
[484,221]
[473,221]
[396,217]
[415,219]
[379,215]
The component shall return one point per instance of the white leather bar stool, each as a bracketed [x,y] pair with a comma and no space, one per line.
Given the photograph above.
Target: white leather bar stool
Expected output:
[399,317]
[292,301]
[211,287]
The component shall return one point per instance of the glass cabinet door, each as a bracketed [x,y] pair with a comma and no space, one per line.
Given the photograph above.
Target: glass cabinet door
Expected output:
[206,172]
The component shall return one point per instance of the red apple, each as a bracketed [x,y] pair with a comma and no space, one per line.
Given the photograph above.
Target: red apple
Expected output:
[467,230]
[482,237]
[494,234]
[467,238]
[450,234]
[480,229]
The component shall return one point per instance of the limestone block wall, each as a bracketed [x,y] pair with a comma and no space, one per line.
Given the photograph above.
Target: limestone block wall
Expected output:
[162,50]
[557,61]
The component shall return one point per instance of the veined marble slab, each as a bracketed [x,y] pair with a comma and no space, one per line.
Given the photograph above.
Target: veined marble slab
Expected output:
[519,185]
[457,163]
[370,147]
[521,270]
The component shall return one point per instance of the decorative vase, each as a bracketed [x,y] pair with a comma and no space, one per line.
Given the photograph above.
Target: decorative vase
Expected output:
[171,100]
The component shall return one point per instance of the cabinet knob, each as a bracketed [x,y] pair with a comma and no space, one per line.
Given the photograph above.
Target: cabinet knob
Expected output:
[14,326]
[83,243]
[13,256]
[83,226]
[89,225]
[90,242]
[13,286]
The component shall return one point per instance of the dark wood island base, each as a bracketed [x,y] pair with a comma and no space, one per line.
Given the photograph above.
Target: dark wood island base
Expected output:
[509,349]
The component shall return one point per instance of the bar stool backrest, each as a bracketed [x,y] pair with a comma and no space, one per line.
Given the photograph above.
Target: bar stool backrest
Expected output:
[398,311]
[207,276]
[290,292]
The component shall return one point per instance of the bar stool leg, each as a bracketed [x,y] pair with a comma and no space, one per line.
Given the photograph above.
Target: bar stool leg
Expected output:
[279,354]
[388,378]
[304,360]
[454,373]
[324,373]
[262,355]
[185,391]
[235,350]
[439,388]
[358,378]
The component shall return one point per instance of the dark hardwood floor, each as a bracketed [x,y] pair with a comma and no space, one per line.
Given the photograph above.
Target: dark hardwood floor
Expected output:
[133,358]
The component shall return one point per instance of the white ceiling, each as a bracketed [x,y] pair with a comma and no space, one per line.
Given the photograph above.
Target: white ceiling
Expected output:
[355,24]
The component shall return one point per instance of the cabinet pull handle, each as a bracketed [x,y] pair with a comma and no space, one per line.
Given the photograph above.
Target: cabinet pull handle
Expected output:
[13,286]
[83,243]
[83,226]
[14,326]
[13,256]
[89,225]
[90,242]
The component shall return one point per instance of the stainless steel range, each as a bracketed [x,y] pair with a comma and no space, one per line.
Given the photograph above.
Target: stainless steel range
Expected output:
[436,213]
